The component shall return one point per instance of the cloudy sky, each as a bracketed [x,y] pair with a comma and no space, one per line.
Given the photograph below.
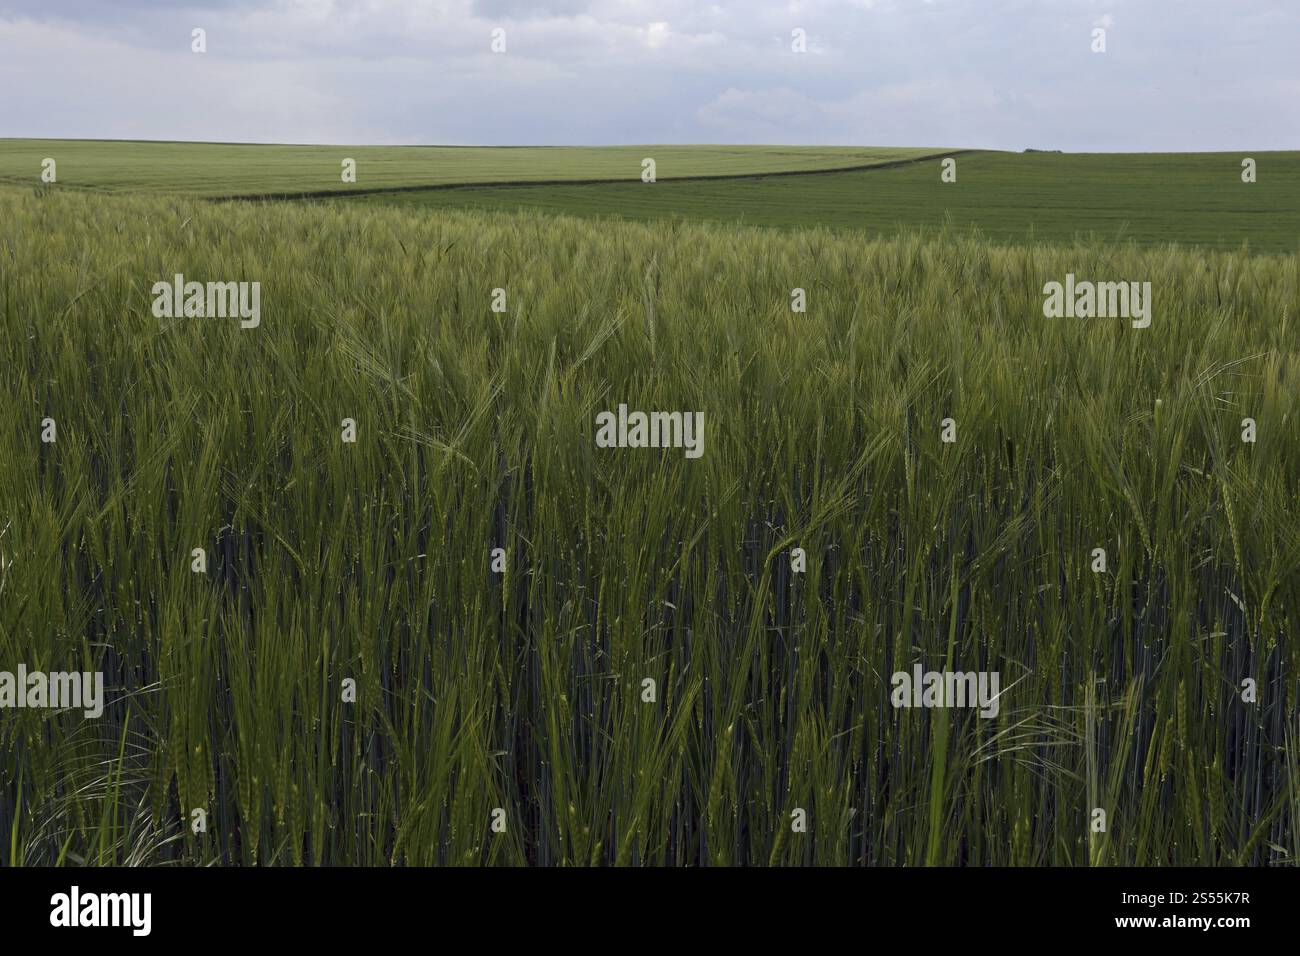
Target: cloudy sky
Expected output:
[1176,74]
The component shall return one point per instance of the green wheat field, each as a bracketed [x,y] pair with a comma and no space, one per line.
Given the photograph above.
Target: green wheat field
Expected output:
[501,716]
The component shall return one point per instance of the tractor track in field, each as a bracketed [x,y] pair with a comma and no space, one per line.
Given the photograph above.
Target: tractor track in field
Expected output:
[518,184]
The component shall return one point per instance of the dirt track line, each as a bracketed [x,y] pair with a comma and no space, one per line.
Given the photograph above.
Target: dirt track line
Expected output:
[517,184]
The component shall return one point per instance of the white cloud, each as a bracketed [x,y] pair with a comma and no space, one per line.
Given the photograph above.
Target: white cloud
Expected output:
[903,72]
[656,35]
